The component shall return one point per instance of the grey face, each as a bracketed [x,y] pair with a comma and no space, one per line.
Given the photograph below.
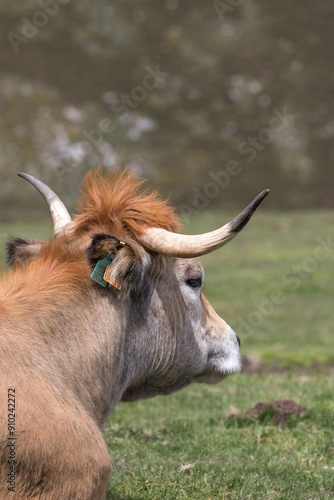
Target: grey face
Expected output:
[186,339]
[215,340]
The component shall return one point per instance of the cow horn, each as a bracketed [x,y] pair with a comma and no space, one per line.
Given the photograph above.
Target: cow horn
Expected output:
[59,212]
[187,246]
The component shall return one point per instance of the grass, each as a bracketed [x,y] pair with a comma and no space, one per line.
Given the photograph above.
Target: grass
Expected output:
[274,285]
[151,441]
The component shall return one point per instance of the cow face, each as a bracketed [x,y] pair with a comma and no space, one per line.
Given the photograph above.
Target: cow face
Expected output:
[180,339]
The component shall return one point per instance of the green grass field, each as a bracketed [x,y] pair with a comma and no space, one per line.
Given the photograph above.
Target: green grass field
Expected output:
[274,285]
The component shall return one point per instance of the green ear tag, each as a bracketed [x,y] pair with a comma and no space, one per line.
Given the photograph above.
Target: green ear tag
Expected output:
[100,268]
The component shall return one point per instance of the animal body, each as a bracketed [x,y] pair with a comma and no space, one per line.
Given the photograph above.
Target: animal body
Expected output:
[72,347]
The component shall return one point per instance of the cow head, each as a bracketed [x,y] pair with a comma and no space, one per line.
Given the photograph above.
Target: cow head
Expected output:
[174,336]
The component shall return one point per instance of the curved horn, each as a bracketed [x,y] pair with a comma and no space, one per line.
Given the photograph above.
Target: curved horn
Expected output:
[187,246]
[59,212]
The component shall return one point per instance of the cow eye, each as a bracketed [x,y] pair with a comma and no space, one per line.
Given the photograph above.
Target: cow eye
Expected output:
[194,282]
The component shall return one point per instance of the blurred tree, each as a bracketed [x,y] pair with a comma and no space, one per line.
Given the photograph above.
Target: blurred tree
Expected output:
[213,101]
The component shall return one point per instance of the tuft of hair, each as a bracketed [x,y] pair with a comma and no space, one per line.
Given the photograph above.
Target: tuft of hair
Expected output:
[118,202]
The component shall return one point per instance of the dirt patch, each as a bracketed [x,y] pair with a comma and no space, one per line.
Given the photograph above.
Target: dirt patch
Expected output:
[277,412]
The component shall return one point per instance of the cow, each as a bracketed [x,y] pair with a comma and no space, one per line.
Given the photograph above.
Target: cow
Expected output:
[109,310]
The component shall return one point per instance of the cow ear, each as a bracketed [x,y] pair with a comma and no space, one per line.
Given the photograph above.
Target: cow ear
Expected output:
[101,246]
[125,266]
[22,250]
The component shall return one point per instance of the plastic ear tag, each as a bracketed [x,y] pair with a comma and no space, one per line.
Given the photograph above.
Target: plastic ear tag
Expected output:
[99,269]
[111,278]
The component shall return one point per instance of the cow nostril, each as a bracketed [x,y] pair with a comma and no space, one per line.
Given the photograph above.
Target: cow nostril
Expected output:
[239,342]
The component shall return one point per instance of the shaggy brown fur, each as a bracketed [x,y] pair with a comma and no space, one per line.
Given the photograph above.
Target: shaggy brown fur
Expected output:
[115,201]
[57,273]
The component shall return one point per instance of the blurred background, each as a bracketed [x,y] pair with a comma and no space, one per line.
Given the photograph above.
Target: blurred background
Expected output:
[212,101]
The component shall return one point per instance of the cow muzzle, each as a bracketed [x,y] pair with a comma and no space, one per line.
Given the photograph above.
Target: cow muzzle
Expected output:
[224,358]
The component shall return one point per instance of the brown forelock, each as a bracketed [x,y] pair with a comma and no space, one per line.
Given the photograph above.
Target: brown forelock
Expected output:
[117,203]
[57,274]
